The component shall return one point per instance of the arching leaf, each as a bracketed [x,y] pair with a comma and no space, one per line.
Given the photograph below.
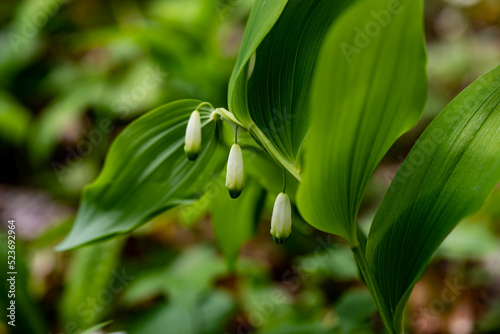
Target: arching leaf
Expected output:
[262,18]
[273,105]
[146,172]
[369,88]
[447,175]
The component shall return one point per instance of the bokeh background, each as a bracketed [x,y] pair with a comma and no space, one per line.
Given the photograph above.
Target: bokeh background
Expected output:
[73,73]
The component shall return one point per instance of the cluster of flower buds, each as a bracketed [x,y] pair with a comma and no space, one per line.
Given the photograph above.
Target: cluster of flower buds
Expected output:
[192,144]
[281,220]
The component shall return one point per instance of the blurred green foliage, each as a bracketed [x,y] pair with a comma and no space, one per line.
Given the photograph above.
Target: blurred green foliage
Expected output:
[73,73]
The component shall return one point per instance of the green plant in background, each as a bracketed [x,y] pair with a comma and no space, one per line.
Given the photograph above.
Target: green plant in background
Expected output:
[324,88]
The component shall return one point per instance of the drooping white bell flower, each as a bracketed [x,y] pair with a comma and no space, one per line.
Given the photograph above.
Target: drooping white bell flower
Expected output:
[192,145]
[234,175]
[281,220]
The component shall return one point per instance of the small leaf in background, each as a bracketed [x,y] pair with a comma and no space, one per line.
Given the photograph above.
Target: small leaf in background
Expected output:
[314,328]
[184,281]
[194,305]
[447,175]
[93,282]
[14,120]
[471,240]
[335,262]
[209,316]
[59,119]
[235,221]
[146,172]
[354,310]
[28,315]
[192,274]
[369,88]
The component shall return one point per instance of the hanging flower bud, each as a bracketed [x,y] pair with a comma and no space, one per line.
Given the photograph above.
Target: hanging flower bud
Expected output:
[281,221]
[192,143]
[234,177]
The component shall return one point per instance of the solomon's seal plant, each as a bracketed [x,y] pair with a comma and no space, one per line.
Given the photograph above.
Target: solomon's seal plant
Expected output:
[302,106]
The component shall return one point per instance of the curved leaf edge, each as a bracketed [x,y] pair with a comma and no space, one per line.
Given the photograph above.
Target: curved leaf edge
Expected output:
[205,111]
[399,312]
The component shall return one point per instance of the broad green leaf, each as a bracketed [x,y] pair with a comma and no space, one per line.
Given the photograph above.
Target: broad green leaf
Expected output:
[364,96]
[447,175]
[273,105]
[146,172]
[235,221]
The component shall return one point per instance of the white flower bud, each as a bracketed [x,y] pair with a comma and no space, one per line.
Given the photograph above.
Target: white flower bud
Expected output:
[234,176]
[192,145]
[281,221]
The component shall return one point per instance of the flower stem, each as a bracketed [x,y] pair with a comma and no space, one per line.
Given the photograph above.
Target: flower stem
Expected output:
[204,104]
[257,133]
[284,180]
[266,143]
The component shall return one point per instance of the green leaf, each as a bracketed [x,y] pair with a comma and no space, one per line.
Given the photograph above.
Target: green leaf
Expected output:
[317,327]
[234,221]
[210,316]
[59,118]
[273,105]
[92,276]
[447,175]
[354,310]
[146,172]
[14,119]
[184,281]
[469,241]
[262,18]
[361,102]
[336,263]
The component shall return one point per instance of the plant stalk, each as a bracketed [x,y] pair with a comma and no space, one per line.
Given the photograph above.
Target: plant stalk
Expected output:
[373,288]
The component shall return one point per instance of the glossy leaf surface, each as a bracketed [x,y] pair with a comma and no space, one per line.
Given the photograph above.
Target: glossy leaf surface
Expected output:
[369,88]
[447,175]
[274,104]
[146,172]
